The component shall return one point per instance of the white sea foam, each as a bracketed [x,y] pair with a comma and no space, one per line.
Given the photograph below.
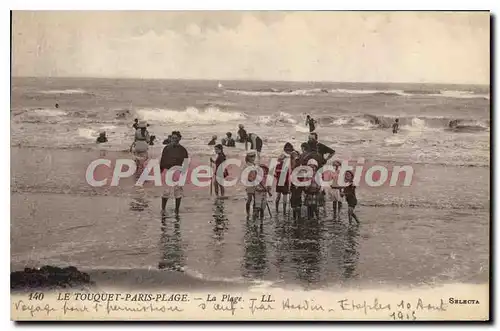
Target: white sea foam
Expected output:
[49,112]
[66,91]
[193,115]
[87,133]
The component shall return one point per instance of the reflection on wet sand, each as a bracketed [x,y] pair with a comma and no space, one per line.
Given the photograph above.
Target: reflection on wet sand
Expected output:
[255,258]
[306,250]
[351,253]
[219,227]
[171,248]
[139,201]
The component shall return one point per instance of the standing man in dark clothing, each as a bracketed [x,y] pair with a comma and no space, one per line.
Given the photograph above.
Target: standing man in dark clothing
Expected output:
[311,122]
[173,155]
[320,148]
[242,134]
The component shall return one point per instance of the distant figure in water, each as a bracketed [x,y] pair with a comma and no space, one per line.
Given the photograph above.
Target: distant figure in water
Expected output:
[168,140]
[242,134]
[57,106]
[453,124]
[311,122]
[395,126]
[213,141]
[102,138]
[228,141]
[152,140]
[136,124]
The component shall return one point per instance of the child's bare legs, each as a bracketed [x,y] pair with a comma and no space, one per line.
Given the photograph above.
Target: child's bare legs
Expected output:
[216,186]
[221,189]
[316,211]
[350,213]
[278,196]
[285,196]
[312,211]
[249,202]
[336,209]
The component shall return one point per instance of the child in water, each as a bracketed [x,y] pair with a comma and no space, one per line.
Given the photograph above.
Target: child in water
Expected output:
[334,191]
[312,192]
[282,184]
[350,195]
[219,174]
[250,162]
[261,192]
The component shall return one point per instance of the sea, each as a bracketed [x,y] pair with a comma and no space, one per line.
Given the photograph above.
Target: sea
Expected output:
[434,231]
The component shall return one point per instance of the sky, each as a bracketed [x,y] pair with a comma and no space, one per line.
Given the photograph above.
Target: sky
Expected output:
[420,47]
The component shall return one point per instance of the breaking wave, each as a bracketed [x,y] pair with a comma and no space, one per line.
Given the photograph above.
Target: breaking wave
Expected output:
[411,123]
[276,119]
[49,112]
[394,93]
[66,91]
[209,115]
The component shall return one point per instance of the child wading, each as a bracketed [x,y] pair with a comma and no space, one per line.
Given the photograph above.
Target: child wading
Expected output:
[250,162]
[334,191]
[282,176]
[219,173]
[261,192]
[350,195]
[312,192]
[295,191]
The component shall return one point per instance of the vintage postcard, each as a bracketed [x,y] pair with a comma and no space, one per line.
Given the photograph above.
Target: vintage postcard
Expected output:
[246,165]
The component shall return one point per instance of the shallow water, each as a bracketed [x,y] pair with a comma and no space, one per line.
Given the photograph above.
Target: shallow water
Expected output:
[434,231]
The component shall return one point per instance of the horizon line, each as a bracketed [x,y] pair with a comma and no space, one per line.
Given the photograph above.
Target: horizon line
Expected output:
[250,80]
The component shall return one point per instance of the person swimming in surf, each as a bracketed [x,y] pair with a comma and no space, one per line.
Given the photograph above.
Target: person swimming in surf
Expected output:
[213,141]
[57,106]
[395,126]
[172,155]
[102,138]
[311,122]
[152,140]
[242,134]
[219,174]
[136,124]
[228,141]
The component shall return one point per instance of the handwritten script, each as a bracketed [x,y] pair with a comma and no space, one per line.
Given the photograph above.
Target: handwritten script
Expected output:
[169,306]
